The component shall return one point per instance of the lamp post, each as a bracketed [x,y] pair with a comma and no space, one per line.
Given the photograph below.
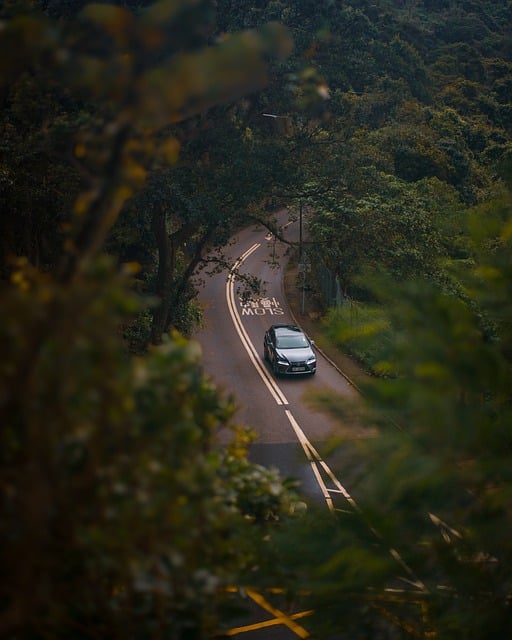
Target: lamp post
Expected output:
[300,230]
[275,116]
[302,264]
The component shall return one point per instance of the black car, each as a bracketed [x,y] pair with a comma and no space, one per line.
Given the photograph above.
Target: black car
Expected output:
[288,350]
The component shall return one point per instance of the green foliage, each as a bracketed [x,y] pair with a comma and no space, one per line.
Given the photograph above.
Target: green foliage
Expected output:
[409,102]
[137,331]
[119,512]
[120,515]
[398,227]
[440,481]
[355,326]
[95,97]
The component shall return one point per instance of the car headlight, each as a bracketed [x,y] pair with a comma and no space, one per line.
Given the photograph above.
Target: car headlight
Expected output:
[311,360]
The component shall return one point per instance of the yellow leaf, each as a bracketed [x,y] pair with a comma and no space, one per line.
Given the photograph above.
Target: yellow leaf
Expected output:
[118,22]
[169,150]
[80,151]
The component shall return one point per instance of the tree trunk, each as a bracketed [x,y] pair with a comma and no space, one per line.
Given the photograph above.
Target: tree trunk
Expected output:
[195,259]
[164,277]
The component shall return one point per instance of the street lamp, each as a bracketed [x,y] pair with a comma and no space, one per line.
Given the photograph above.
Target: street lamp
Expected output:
[300,230]
[302,261]
[275,116]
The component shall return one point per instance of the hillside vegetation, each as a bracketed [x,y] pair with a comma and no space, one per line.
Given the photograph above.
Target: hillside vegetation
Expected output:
[133,144]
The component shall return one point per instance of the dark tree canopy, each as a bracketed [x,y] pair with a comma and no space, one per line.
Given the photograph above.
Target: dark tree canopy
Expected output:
[133,143]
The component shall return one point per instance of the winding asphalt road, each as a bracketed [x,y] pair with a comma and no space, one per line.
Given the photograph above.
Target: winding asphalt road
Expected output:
[290,431]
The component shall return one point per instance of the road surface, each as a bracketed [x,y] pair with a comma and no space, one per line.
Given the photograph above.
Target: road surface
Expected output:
[290,431]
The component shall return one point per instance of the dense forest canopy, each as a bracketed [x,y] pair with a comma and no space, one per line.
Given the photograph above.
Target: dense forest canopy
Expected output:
[379,99]
[132,147]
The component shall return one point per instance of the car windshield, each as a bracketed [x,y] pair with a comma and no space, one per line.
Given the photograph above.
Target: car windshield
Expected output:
[291,342]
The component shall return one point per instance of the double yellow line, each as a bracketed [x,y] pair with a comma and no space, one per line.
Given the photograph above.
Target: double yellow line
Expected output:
[280,618]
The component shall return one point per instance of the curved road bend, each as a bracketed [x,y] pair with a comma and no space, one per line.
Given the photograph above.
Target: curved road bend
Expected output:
[290,432]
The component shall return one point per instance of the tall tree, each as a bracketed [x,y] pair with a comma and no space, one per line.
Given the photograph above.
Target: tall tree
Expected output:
[120,515]
[125,74]
[436,482]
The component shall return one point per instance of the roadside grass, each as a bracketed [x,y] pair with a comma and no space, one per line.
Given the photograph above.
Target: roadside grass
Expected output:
[363,332]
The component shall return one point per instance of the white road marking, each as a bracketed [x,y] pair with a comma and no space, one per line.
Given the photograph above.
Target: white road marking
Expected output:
[255,358]
[315,460]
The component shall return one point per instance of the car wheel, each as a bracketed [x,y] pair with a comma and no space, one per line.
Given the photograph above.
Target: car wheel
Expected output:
[275,369]
[265,352]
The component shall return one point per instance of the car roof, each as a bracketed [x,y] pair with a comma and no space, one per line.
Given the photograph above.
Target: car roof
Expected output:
[283,329]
